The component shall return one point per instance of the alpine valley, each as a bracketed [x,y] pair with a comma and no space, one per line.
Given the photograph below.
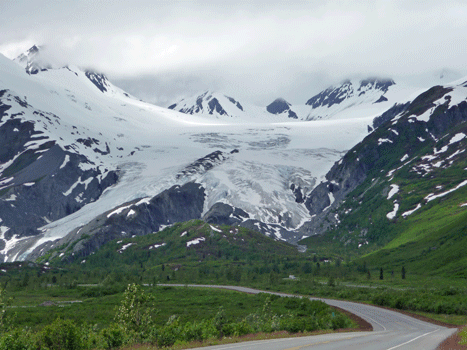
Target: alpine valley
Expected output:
[369,166]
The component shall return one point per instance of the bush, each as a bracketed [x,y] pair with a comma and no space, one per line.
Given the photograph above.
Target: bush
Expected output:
[61,335]
[241,328]
[113,336]
[18,340]
[170,333]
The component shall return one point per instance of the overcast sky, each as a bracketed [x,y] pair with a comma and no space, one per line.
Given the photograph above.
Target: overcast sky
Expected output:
[161,50]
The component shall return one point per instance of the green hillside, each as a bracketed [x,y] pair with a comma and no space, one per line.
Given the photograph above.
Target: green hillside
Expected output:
[193,251]
[409,209]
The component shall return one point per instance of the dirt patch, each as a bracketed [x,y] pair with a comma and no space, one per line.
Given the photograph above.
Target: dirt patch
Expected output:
[48,303]
[452,343]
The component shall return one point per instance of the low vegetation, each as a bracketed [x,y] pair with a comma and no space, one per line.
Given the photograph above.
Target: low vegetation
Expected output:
[54,296]
[137,319]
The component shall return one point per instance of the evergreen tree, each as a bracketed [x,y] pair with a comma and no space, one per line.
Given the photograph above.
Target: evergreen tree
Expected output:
[403,272]
[381,274]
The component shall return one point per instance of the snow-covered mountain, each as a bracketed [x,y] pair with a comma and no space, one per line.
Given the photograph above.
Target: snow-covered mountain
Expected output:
[349,94]
[82,161]
[351,99]
[81,147]
[216,105]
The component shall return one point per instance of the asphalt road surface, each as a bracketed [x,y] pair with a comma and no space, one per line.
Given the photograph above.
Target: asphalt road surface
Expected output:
[391,331]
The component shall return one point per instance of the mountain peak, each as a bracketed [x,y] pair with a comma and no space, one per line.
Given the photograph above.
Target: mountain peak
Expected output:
[279,105]
[335,95]
[211,103]
[32,60]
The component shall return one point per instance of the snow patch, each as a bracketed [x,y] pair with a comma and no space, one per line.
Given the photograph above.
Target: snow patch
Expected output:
[394,189]
[67,159]
[195,241]
[143,201]
[455,154]
[157,245]
[456,138]
[381,141]
[433,196]
[183,233]
[409,212]
[11,198]
[404,158]
[78,182]
[442,150]
[118,211]
[391,215]
[125,246]
[215,228]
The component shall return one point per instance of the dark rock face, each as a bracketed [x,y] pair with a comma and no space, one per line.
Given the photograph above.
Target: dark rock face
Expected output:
[100,80]
[205,163]
[236,103]
[292,115]
[43,191]
[381,99]
[377,84]
[389,114]
[32,60]
[330,96]
[40,181]
[215,106]
[278,106]
[224,214]
[297,191]
[138,217]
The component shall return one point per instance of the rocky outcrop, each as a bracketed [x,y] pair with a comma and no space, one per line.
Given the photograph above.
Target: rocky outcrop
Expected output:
[138,217]
[279,106]
[225,214]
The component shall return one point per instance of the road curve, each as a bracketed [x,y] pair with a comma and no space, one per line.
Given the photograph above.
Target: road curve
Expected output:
[391,330]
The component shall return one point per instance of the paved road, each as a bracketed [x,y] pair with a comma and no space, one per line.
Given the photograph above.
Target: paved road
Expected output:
[391,331]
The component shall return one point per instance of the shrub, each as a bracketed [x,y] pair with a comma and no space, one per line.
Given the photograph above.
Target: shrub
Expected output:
[133,314]
[18,340]
[241,328]
[61,335]
[170,333]
[113,336]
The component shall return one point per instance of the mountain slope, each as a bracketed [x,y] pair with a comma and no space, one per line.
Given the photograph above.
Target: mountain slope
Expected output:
[403,183]
[254,174]
[181,243]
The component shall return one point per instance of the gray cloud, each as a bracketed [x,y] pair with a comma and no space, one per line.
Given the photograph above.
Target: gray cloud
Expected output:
[265,49]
